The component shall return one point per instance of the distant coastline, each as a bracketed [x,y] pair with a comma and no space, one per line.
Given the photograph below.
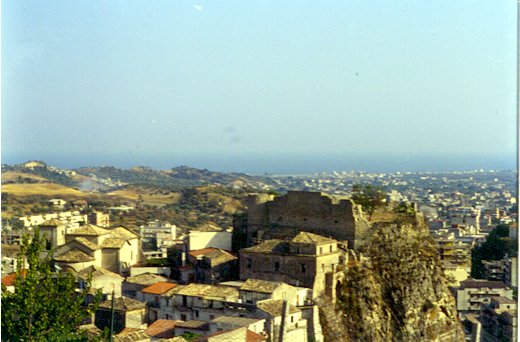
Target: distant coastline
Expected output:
[262,163]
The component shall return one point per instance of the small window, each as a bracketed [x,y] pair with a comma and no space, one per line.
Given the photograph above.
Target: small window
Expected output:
[183,318]
[249,262]
[276,266]
[330,248]
[292,319]
[303,269]
[323,267]
[197,313]
[321,250]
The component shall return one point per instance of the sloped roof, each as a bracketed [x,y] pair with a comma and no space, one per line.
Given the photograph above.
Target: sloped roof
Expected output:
[123,233]
[193,324]
[74,255]
[204,251]
[112,242]
[145,279]
[274,307]
[234,320]
[257,285]
[207,291]
[241,334]
[52,223]
[89,229]
[96,271]
[161,328]
[264,247]
[217,256]
[310,238]
[123,304]
[92,246]
[131,335]
[159,288]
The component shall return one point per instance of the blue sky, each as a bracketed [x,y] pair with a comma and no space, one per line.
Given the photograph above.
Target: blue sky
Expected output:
[134,78]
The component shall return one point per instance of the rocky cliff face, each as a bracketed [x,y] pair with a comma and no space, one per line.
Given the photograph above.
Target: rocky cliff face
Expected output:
[393,290]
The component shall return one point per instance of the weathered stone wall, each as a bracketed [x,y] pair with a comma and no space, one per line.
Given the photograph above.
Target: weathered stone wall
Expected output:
[298,211]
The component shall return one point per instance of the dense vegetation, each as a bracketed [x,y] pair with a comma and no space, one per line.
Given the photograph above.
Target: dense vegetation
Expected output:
[368,196]
[44,304]
[497,245]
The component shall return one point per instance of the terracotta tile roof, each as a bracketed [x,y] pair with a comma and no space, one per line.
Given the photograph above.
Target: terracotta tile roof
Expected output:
[123,233]
[310,238]
[132,335]
[208,291]
[9,279]
[96,271]
[265,247]
[257,285]
[123,304]
[159,288]
[241,334]
[145,279]
[193,324]
[89,229]
[162,328]
[74,255]
[92,246]
[52,223]
[254,337]
[197,252]
[236,321]
[113,242]
[127,331]
[274,307]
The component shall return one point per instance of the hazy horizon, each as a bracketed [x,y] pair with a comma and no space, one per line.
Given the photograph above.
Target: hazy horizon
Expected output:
[283,163]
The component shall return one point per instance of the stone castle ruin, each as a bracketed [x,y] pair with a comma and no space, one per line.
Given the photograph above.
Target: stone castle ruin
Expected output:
[270,217]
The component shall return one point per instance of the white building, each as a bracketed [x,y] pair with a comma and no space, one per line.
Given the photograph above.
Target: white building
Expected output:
[163,233]
[199,240]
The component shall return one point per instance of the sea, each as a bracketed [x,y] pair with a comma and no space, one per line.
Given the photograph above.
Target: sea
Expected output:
[280,163]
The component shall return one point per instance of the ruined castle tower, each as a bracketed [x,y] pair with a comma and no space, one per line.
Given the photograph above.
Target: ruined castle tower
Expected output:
[270,217]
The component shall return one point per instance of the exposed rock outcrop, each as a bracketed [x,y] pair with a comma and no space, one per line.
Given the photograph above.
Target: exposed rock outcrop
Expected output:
[396,292]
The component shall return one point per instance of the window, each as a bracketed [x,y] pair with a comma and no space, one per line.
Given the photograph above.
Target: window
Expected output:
[183,318]
[276,266]
[197,313]
[321,250]
[330,248]
[303,268]
[184,301]
[323,267]
[249,262]
[292,319]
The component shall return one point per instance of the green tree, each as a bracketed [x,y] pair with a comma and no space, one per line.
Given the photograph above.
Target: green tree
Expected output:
[368,196]
[497,245]
[45,304]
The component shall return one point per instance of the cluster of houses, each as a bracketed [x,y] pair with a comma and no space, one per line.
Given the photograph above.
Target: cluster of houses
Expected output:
[262,291]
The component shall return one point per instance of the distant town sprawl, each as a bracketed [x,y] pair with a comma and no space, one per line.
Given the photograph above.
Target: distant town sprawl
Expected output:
[275,258]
